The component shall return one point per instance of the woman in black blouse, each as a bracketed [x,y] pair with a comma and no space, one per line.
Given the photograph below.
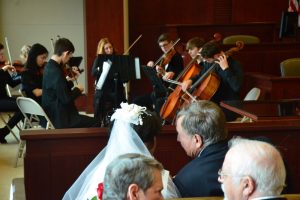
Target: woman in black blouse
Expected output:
[32,76]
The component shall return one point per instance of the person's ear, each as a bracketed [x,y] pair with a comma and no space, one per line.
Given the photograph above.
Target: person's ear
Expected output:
[133,192]
[198,141]
[248,185]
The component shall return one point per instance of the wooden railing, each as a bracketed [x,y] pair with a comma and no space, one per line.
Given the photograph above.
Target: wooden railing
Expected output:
[55,158]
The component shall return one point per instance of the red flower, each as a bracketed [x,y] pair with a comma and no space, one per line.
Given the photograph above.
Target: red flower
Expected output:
[100,190]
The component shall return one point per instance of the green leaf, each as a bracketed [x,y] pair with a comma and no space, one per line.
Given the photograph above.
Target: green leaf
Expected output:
[94,198]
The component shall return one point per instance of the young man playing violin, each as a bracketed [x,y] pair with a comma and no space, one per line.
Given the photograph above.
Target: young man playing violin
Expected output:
[230,75]
[169,68]
[172,63]
[59,94]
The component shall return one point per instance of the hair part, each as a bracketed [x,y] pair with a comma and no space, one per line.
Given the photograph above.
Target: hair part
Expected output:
[128,169]
[259,160]
[206,119]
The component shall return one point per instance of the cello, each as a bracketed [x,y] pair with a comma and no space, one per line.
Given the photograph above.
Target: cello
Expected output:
[204,88]
[169,109]
[173,102]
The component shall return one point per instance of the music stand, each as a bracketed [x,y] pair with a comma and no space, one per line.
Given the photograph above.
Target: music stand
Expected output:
[123,68]
[155,80]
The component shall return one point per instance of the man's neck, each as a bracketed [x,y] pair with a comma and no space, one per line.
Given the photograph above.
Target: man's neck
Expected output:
[56,58]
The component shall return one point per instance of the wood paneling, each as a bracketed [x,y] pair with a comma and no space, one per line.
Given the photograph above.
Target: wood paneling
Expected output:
[258,11]
[102,19]
[151,18]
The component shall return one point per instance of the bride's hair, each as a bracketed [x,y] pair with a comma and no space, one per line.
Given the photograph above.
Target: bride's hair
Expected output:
[147,131]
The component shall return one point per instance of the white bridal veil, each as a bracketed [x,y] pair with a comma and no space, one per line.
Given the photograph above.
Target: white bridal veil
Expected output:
[123,139]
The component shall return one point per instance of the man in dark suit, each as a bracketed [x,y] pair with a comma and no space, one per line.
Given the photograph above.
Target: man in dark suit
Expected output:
[59,94]
[252,169]
[202,134]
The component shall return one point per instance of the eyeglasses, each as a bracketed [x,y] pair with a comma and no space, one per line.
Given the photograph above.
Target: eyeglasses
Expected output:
[164,45]
[222,175]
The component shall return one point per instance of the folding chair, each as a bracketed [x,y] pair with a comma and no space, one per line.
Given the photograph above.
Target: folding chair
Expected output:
[14,91]
[30,109]
[252,95]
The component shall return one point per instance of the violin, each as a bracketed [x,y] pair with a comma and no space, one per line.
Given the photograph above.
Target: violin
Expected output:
[19,67]
[165,59]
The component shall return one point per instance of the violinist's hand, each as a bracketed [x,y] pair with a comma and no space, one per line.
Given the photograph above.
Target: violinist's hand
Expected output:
[80,87]
[75,74]
[9,68]
[222,61]
[185,85]
[150,63]
[75,71]
[160,70]
[168,75]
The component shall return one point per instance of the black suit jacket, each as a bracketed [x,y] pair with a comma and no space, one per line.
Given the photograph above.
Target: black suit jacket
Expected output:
[58,98]
[199,178]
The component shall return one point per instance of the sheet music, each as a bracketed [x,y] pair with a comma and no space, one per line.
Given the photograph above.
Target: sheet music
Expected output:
[137,68]
[105,69]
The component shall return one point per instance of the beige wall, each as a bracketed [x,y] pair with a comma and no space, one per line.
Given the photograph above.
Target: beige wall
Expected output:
[37,21]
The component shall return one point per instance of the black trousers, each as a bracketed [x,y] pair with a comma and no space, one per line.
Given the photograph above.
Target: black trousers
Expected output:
[9,104]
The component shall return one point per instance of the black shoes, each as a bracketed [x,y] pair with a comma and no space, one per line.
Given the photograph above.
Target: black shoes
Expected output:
[3,133]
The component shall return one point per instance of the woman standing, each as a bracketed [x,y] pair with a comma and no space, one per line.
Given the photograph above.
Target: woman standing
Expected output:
[111,94]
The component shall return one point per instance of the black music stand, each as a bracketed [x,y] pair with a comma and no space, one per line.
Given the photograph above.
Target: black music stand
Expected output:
[156,82]
[123,68]
[124,65]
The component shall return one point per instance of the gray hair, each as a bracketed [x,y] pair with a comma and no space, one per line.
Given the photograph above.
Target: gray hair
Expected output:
[206,119]
[125,170]
[262,162]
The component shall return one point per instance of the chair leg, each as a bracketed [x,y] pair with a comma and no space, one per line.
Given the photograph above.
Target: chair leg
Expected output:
[20,152]
[9,128]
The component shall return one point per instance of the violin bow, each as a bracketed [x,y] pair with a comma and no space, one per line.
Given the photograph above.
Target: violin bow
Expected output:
[8,51]
[137,39]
